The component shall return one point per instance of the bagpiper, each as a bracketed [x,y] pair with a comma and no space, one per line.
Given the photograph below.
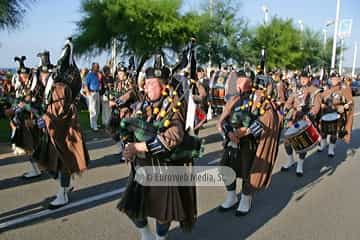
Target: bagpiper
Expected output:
[62,151]
[250,125]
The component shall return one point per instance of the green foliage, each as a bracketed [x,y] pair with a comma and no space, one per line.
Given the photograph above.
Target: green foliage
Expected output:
[143,27]
[281,41]
[222,34]
[12,12]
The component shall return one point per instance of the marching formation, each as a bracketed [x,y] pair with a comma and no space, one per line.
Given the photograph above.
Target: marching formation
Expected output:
[155,115]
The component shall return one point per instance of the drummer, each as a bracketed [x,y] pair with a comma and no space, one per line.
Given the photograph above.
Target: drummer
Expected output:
[303,104]
[337,100]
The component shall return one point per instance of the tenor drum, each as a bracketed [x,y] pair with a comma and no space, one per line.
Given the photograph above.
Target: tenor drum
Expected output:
[303,136]
[217,96]
[330,123]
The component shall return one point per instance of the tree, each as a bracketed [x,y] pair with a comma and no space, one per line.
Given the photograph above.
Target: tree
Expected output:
[288,48]
[222,34]
[12,13]
[143,27]
[281,41]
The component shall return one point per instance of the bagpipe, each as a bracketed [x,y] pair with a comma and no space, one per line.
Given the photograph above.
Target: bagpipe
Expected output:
[253,105]
[30,106]
[115,95]
[139,128]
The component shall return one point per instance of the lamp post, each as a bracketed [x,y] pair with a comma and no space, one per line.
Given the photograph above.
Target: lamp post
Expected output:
[301,23]
[341,55]
[333,58]
[211,3]
[354,61]
[114,55]
[325,37]
[266,14]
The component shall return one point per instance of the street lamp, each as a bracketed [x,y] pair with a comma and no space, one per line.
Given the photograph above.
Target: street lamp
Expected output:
[335,34]
[301,23]
[354,61]
[211,5]
[325,37]
[266,14]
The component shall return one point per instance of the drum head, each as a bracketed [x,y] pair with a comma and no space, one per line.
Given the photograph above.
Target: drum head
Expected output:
[297,128]
[329,117]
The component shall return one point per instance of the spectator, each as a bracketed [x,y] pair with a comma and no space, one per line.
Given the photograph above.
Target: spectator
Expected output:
[92,88]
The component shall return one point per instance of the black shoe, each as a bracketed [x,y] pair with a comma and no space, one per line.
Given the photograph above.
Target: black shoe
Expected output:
[241,214]
[222,209]
[284,169]
[299,174]
[331,155]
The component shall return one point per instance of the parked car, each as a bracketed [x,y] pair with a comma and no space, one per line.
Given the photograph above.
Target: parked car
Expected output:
[355,87]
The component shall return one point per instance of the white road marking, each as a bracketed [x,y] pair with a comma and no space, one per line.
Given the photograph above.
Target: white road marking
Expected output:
[47,212]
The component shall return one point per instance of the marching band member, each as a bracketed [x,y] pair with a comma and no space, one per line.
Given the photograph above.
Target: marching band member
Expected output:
[38,92]
[337,99]
[201,99]
[25,135]
[282,89]
[62,151]
[251,125]
[107,86]
[121,99]
[164,203]
[302,104]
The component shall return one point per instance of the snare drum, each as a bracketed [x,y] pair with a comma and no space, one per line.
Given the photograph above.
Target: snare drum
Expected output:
[303,136]
[330,123]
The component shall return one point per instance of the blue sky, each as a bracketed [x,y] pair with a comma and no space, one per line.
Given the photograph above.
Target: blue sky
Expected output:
[49,22]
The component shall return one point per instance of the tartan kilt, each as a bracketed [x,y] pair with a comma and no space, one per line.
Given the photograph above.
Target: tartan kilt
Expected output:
[164,203]
[240,159]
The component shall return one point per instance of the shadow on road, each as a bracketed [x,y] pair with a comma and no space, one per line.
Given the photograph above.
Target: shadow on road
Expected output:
[270,202]
[74,196]
[17,181]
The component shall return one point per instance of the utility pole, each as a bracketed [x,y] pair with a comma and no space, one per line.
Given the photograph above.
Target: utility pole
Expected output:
[211,5]
[266,14]
[114,55]
[333,58]
[302,33]
[341,55]
[354,61]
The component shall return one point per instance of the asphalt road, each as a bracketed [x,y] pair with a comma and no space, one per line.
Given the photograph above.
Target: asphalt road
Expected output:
[324,204]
